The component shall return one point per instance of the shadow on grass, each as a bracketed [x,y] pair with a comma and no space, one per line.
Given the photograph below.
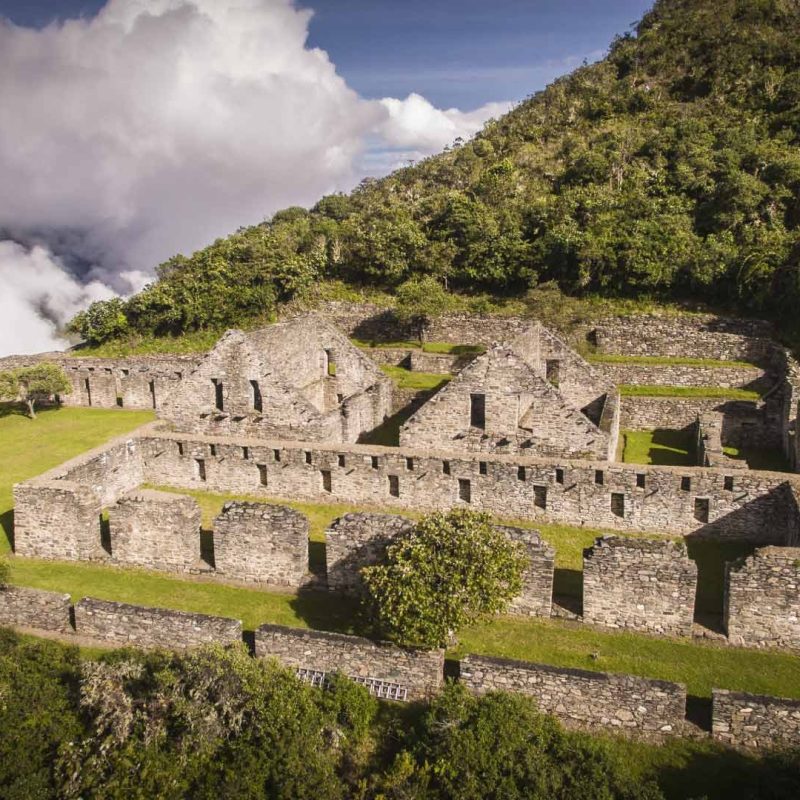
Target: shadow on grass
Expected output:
[317,558]
[673,448]
[568,583]
[207,548]
[7,525]
[327,611]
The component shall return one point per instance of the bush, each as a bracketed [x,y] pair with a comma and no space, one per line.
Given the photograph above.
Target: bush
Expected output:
[447,572]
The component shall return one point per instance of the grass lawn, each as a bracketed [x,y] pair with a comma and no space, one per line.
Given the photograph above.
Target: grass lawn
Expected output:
[421,381]
[661,446]
[29,447]
[185,344]
[707,392]
[664,361]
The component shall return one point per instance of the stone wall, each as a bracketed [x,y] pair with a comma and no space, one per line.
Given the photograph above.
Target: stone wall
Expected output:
[762,599]
[683,375]
[262,543]
[140,626]
[624,703]
[753,506]
[639,584]
[155,530]
[359,540]
[750,720]
[674,413]
[34,608]
[387,670]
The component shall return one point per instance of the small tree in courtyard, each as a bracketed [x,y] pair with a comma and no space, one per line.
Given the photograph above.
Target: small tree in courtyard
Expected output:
[418,301]
[447,572]
[33,384]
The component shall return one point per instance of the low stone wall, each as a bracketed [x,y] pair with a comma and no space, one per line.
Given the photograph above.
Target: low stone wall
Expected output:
[639,584]
[681,375]
[625,703]
[439,363]
[762,599]
[750,720]
[536,598]
[156,530]
[34,608]
[388,671]
[262,543]
[673,413]
[140,626]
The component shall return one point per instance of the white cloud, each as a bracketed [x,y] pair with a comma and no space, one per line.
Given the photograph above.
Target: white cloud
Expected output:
[159,125]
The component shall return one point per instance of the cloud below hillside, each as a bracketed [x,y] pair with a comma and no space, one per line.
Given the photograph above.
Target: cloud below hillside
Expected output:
[159,125]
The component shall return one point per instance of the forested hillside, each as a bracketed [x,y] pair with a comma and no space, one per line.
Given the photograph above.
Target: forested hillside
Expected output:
[670,169]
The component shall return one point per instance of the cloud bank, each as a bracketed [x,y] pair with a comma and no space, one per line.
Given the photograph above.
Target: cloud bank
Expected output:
[159,125]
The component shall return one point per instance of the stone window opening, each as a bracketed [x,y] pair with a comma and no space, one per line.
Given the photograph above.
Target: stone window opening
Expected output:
[246,453]
[728,483]
[618,504]
[445,467]
[483,468]
[327,481]
[308,456]
[552,371]
[120,401]
[520,473]
[200,468]
[477,411]
[276,455]
[180,448]
[540,497]
[409,464]
[262,474]
[701,509]
[328,363]
[219,397]
[464,490]
[126,372]
[559,475]
[375,462]
[394,485]
[641,480]
[599,477]
[341,460]
[213,449]
[152,387]
[686,484]
[258,404]
[87,385]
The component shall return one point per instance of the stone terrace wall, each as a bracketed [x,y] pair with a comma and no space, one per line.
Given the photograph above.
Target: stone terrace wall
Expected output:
[639,584]
[156,530]
[262,543]
[34,608]
[682,375]
[587,699]
[649,413]
[754,506]
[750,720]
[762,598]
[419,672]
[140,626]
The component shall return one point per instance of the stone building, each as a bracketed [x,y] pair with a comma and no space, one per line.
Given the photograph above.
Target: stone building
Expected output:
[300,379]
[533,395]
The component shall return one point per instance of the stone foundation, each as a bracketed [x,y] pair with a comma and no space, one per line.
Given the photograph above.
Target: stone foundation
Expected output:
[387,670]
[750,720]
[34,608]
[762,599]
[639,584]
[262,543]
[623,703]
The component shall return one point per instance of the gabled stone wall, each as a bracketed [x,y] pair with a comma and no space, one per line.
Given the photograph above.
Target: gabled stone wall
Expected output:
[625,703]
[639,584]
[262,543]
[762,598]
[155,530]
[413,674]
[140,626]
[755,721]
[34,608]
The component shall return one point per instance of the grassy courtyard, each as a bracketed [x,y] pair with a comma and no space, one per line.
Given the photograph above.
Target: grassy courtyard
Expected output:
[663,447]
[688,392]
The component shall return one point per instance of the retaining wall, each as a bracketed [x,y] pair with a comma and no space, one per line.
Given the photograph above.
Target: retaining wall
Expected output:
[587,699]
[681,375]
[34,608]
[750,720]
[387,670]
[140,626]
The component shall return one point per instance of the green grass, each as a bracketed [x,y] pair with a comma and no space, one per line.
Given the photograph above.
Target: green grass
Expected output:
[446,348]
[710,392]
[185,344]
[421,381]
[661,446]
[700,666]
[29,447]
[664,361]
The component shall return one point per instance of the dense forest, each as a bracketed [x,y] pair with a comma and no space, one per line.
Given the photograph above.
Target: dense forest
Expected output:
[668,170]
[216,723]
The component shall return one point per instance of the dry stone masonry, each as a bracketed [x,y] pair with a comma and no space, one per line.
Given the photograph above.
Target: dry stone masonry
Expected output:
[33,608]
[639,584]
[261,543]
[587,699]
[755,721]
[762,599]
[386,670]
[139,626]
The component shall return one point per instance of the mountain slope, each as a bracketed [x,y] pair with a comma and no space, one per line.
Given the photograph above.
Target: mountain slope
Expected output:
[671,169]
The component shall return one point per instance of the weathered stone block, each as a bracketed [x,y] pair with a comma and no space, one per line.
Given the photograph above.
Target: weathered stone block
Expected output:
[755,721]
[34,608]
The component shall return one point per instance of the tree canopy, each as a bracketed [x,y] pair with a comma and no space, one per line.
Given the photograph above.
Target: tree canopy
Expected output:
[34,384]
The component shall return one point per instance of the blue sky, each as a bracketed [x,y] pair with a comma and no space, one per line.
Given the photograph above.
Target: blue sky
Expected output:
[461,54]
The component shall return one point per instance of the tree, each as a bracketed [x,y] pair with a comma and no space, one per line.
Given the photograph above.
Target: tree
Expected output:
[33,384]
[103,320]
[419,300]
[448,571]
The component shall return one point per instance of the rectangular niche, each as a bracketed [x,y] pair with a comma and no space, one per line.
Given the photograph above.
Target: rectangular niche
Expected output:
[394,486]
[702,507]
[618,504]
[464,490]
